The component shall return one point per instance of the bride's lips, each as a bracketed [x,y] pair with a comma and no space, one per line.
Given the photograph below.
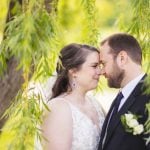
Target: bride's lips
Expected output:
[96,79]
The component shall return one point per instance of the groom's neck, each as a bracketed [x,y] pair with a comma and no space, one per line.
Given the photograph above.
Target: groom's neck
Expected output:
[130,74]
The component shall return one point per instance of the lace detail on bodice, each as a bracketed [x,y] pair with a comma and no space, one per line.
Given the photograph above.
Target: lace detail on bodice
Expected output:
[86,134]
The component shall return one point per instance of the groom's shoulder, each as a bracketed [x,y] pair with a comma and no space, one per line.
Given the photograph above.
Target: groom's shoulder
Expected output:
[143,87]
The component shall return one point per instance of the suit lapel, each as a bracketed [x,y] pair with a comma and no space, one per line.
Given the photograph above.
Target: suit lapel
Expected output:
[129,102]
[106,121]
[127,105]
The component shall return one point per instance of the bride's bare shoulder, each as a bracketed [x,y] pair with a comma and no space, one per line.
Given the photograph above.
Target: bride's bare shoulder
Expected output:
[58,104]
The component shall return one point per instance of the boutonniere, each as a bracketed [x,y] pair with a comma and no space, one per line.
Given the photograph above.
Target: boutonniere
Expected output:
[131,124]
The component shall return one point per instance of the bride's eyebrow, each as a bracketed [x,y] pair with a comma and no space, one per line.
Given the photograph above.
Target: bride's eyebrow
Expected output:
[94,63]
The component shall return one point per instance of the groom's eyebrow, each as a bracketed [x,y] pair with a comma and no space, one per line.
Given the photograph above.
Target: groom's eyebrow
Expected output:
[99,49]
[101,61]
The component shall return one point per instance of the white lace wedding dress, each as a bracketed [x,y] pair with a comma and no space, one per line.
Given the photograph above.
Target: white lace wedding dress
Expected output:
[86,134]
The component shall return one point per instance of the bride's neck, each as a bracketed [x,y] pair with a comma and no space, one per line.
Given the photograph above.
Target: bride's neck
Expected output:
[77,96]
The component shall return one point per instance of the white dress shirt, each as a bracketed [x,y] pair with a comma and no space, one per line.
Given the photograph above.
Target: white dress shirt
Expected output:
[127,90]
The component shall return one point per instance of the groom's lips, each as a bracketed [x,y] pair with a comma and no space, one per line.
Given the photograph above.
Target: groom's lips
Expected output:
[105,76]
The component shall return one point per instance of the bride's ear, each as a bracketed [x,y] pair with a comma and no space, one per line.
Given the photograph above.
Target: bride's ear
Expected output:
[72,72]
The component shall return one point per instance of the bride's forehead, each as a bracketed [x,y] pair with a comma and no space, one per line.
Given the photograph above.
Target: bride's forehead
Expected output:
[93,57]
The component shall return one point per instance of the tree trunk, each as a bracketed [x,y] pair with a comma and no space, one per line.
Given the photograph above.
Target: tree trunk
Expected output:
[9,86]
[12,80]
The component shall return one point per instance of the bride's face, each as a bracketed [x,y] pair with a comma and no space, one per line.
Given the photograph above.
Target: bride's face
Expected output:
[87,76]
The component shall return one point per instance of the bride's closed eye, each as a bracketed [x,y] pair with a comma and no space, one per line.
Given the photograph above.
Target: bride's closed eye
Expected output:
[94,66]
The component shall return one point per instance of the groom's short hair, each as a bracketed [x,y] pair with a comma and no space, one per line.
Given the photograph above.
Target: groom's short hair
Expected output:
[122,41]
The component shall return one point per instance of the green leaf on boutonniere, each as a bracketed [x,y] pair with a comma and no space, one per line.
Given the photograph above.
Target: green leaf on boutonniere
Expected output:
[123,120]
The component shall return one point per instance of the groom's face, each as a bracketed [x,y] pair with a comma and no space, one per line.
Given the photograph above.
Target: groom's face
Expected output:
[110,69]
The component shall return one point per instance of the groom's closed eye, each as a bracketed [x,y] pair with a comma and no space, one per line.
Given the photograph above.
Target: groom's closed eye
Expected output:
[102,64]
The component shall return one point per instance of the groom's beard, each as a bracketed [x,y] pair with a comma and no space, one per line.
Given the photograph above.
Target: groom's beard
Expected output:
[116,77]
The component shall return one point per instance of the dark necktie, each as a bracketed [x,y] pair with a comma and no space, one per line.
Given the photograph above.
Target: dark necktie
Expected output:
[115,109]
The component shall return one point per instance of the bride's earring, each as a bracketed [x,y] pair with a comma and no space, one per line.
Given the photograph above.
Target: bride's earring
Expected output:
[73,83]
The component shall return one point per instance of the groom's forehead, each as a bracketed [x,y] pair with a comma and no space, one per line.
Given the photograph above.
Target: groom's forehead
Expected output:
[105,56]
[104,53]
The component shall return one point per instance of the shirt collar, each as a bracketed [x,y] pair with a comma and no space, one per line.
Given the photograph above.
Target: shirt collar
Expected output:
[126,91]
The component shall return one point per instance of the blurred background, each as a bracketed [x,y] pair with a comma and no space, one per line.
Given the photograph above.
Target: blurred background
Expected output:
[32,32]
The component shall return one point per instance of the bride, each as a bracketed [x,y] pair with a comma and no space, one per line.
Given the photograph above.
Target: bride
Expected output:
[75,120]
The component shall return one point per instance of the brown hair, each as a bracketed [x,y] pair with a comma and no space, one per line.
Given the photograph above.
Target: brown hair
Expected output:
[126,42]
[71,56]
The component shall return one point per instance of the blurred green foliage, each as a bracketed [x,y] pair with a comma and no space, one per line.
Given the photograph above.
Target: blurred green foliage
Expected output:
[3,12]
[35,37]
[109,15]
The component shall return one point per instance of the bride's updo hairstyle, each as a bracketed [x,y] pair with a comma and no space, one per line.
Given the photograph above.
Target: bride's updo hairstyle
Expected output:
[71,56]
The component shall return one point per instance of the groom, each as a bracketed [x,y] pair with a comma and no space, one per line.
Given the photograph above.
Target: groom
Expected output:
[121,57]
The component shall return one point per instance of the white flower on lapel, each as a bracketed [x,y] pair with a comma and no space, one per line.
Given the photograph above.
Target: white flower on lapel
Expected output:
[131,124]
[138,129]
[129,116]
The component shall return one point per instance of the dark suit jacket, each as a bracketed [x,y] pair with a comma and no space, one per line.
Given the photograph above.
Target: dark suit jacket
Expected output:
[118,138]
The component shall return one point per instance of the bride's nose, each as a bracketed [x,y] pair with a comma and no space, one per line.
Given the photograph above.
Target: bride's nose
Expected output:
[98,71]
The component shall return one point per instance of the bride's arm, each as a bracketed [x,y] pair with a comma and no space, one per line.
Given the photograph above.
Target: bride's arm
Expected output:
[57,126]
